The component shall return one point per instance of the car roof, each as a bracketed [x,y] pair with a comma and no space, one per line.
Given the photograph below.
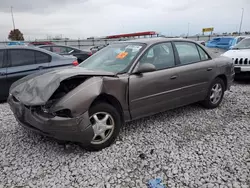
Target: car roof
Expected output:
[17,47]
[37,42]
[222,37]
[30,48]
[246,37]
[55,45]
[48,45]
[154,40]
[242,36]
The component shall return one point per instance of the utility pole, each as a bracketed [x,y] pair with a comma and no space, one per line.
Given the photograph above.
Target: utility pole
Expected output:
[188,29]
[241,20]
[13,21]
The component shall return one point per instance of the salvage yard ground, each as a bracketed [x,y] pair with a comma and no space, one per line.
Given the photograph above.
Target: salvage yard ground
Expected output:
[187,147]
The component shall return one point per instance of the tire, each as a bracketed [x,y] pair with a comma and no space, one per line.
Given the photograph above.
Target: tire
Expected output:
[102,109]
[210,103]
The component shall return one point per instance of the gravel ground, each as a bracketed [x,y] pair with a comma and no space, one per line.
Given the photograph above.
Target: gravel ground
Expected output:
[187,147]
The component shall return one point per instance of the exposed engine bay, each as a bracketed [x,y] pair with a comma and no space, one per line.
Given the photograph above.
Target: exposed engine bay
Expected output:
[65,87]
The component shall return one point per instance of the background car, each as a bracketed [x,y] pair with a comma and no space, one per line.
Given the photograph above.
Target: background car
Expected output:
[124,81]
[240,54]
[202,42]
[38,43]
[81,55]
[97,48]
[13,43]
[220,42]
[236,40]
[19,61]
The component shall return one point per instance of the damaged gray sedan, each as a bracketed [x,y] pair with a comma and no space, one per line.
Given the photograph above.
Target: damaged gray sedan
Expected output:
[126,80]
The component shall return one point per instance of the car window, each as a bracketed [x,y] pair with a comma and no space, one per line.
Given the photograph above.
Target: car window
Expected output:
[69,50]
[47,48]
[160,55]
[76,51]
[59,49]
[114,58]
[20,57]
[215,40]
[1,58]
[239,39]
[203,54]
[42,57]
[150,53]
[188,52]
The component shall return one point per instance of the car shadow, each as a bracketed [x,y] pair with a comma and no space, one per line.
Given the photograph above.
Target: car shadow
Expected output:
[242,81]
[67,147]
[185,131]
[172,112]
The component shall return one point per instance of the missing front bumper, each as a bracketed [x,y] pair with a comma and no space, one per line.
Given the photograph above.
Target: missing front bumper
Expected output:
[77,129]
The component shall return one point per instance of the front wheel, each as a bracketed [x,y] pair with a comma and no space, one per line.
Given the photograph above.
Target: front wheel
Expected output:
[215,94]
[106,122]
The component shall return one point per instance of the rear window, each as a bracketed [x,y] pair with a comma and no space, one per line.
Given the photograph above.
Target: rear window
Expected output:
[1,58]
[20,57]
[226,40]
[46,48]
[42,57]
[216,39]
[239,39]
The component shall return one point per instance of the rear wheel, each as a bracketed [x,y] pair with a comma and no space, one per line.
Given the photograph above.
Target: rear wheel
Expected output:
[106,123]
[215,94]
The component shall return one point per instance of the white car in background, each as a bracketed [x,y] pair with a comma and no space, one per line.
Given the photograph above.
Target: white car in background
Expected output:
[240,55]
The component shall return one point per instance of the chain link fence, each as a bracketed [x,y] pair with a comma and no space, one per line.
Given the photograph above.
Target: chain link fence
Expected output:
[88,43]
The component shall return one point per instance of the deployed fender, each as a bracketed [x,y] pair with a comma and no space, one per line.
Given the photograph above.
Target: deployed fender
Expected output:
[80,98]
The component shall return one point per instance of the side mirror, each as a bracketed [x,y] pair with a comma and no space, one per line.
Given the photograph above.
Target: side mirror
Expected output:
[145,67]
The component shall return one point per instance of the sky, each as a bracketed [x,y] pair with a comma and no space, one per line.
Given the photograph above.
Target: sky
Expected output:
[38,19]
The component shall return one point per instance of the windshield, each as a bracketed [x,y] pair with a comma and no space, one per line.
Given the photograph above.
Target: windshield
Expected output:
[244,44]
[114,58]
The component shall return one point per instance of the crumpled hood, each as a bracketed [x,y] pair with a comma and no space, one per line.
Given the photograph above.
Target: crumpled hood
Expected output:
[39,87]
[244,53]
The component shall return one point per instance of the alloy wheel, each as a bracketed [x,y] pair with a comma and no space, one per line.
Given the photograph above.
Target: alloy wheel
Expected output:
[103,125]
[216,93]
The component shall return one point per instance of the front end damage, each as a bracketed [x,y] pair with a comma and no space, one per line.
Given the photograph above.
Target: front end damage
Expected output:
[64,115]
[58,126]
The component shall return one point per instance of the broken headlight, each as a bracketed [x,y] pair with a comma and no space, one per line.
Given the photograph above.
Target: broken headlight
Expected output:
[63,113]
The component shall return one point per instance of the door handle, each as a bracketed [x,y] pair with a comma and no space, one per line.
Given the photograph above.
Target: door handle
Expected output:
[173,77]
[2,73]
[209,69]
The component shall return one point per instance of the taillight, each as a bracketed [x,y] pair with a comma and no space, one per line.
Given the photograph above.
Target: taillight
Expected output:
[75,63]
[90,53]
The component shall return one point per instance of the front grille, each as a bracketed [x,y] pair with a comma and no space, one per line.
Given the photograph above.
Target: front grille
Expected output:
[241,61]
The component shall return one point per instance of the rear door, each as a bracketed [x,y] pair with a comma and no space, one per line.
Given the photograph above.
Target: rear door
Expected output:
[3,70]
[196,71]
[23,62]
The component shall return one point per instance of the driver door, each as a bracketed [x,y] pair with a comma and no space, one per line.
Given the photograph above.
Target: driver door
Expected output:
[156,91]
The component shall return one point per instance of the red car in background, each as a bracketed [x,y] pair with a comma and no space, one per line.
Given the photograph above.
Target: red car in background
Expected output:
[38,43]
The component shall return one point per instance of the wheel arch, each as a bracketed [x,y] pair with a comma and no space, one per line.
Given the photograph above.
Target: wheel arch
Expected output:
[224,79]
[110,99]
